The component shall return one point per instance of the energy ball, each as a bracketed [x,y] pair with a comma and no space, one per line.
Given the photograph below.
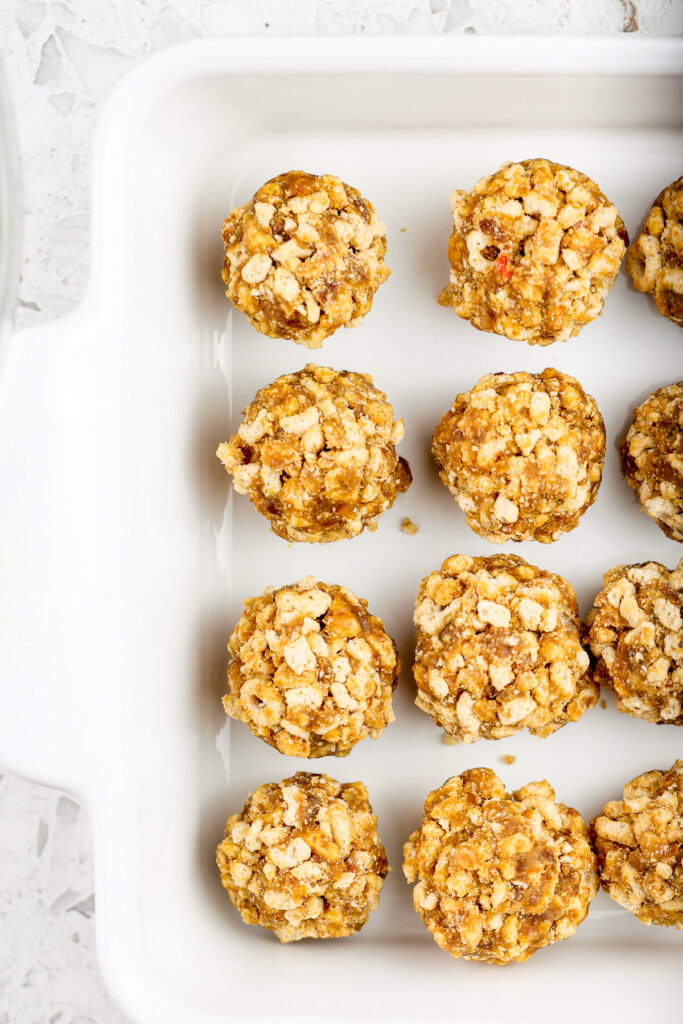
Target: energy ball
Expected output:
[304,257]
[655,260]
[315,453]
[639,842]
[522,455]
[499,648]
[636,634]
[652,457]
[303,858]
[313,671]
[534,251]
[499,875]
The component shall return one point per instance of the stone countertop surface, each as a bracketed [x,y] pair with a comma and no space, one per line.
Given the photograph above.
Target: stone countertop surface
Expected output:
[61,59]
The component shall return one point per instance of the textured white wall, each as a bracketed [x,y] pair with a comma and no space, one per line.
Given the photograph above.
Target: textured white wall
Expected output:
[61,59]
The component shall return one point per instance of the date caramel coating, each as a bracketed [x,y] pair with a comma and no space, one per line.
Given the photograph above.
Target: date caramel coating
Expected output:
[535,249]
[316,454]
[636,634]
[313,671]
[498,875]
[303,858]
[655,260]
[652,458]
[304,257]
[639,842]
[500,648]
[522,454]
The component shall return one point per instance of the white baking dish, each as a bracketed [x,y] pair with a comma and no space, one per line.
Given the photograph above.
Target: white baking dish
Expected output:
[125,556]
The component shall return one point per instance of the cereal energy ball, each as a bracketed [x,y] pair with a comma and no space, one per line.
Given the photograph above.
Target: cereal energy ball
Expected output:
[639,842]
[522,454]
[313,671]
[304,257]
[534,251]
[315,453]
[499,875]
[636,633]
[652,457]
[303,858]
[499,649]
[655,260]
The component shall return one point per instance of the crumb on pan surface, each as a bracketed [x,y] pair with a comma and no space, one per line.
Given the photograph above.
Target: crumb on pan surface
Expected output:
[639,842]
[303,858]
[304,257]
[535,248]
[636,634]
[409,527]
[499,648]
[313,671]
[498,876]
[316,454]
[522,454]
[652,458]
[655,260]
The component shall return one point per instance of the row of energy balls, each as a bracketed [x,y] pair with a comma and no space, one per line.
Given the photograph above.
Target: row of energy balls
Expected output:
[497,875]
[533,253]
[521,453]
[535,248]
[500,647]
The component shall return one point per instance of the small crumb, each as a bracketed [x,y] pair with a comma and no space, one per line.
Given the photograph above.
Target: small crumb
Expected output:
[603,703]
[508,758]
[450,741]
[408,526]
[402,230]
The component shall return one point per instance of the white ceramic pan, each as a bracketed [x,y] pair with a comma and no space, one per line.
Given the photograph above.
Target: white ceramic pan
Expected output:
[124,556]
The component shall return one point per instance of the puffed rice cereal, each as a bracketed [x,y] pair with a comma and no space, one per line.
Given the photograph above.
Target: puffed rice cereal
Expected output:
[639,842]
[499,648]
[636,634]
[535,249]
[522,454]
[499,875]
[316,454]
[303,858]
[304,257]
[313,671]
[652,457]
[655,260]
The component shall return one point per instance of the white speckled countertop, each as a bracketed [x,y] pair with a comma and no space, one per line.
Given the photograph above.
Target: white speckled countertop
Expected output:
[61,59]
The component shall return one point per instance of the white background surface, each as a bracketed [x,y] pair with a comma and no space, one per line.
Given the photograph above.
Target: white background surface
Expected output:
[61,60]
